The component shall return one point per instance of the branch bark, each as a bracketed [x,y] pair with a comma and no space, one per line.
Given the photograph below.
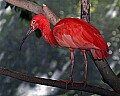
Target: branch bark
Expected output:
[56,83]
[35,8]
[85,10]
[107,74]
[109,77]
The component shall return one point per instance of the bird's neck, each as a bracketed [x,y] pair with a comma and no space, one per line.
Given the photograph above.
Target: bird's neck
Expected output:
[47,34]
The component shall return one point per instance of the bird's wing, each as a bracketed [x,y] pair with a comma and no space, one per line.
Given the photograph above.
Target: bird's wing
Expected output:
[85,32]
[90,31]
[94,40]
[84,35]
[76,33]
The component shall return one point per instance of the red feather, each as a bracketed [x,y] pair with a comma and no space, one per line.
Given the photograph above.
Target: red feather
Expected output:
[71,33]
[76,33]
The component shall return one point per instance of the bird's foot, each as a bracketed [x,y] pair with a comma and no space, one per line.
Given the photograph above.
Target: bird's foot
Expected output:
[68,82]
[84,82]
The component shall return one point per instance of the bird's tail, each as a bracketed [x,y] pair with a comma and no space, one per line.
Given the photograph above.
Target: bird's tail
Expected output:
[99,54]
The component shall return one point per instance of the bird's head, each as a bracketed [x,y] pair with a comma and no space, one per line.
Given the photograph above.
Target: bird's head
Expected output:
[36,22]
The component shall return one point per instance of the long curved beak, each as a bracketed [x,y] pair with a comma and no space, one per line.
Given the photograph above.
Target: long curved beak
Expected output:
[26,35]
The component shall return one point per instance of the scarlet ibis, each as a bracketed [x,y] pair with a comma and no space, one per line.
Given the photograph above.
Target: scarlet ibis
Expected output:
[71,33]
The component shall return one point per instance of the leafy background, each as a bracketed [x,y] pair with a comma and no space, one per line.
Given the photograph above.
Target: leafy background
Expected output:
[38,58]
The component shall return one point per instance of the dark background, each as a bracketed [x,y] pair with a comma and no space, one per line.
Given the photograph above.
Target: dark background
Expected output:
[38,58]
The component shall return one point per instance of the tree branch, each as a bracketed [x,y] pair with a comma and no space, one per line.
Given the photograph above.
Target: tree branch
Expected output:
[35,8]
[109,77]
[85,10]
[56,83]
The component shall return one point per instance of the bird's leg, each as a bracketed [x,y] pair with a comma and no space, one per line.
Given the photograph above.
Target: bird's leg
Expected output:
[71,68]
[86,66]
[72,62]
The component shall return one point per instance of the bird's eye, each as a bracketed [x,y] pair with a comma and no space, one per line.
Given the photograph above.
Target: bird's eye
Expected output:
[33,21]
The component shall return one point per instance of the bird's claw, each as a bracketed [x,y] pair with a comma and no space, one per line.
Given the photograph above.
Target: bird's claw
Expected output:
[84,82]
[68,82]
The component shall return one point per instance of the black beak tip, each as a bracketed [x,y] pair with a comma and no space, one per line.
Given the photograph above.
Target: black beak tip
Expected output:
[20,47]
[23,40]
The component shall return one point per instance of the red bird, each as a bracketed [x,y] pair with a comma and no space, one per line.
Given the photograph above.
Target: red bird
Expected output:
[71,33]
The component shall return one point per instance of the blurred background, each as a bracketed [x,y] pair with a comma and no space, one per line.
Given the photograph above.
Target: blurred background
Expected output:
[38,58]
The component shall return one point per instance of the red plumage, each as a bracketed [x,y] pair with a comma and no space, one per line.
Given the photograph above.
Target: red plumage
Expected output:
[71,33]
[76,33]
